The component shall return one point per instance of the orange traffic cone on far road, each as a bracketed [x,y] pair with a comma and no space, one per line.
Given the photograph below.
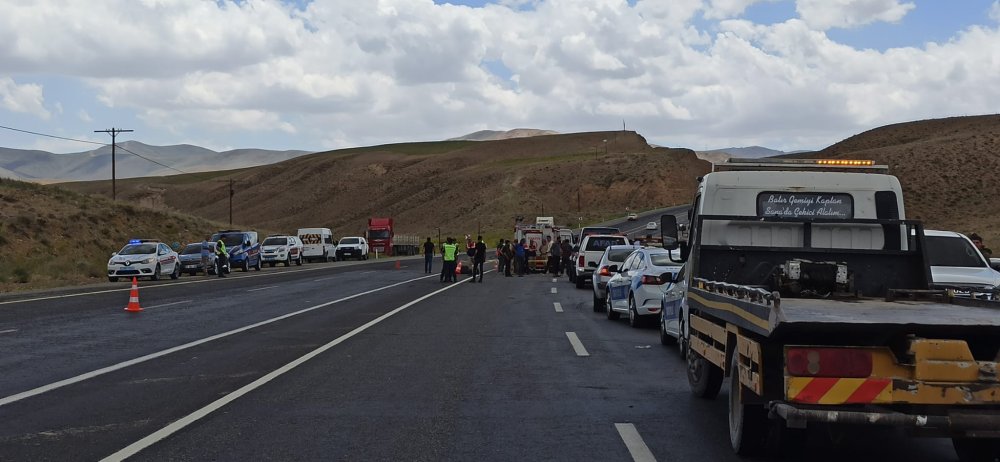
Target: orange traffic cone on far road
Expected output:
[133,297]
[397,264]
[458,269]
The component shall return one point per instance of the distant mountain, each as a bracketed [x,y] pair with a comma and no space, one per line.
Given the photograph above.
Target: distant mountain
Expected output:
[749,152]
[493,135]
[96,164]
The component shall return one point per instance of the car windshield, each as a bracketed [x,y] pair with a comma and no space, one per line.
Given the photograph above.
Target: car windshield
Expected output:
[138,249]
[952,251]
[662,259]
[349,240]
[592,231]
[191,249]
[378,234]
[601,243]
[276,241]
[619,255]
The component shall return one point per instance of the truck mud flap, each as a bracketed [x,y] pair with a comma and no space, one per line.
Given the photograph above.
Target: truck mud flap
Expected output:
[969,423]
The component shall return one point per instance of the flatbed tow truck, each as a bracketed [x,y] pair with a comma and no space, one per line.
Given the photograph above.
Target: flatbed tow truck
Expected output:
[808,295]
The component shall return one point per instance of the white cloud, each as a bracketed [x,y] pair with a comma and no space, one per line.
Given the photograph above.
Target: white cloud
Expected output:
[826,14]
[27,98]
[338,74]
[83,115]
[995,11]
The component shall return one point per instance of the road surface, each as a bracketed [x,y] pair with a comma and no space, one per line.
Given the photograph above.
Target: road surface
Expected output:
[360,362]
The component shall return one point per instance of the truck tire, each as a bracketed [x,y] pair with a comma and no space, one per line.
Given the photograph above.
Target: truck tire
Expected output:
[976,449]
[704,378]
[748,424]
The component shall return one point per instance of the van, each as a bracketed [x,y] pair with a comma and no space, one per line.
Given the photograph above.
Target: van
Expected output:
[317,244]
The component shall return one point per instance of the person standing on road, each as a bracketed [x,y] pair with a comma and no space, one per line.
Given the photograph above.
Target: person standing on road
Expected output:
[221,258]
[478,259]
[449,252]
[555,257]
[206,255]
[520,258]
[508,257]
[566,248]
[428,256]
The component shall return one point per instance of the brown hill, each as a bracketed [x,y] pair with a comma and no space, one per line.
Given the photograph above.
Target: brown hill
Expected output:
[455,185]
[53,237]
[947,168]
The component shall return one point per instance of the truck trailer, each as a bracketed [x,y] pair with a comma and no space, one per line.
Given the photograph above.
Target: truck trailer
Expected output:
[382,238]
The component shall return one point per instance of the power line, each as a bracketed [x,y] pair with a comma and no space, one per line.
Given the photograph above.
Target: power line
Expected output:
[52,136]
[155,161]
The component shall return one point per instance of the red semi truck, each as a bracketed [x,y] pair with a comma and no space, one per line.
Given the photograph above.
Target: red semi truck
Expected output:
[382,238]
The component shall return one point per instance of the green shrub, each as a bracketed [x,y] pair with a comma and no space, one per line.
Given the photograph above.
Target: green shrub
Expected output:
[22,275]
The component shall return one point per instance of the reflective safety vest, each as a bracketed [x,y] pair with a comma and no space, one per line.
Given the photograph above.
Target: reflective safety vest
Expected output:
[220,248]
[449,251]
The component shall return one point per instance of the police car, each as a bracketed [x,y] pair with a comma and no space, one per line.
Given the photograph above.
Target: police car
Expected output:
[639,284]
[144,258]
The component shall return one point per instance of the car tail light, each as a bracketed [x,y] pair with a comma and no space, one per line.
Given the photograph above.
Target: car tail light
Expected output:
[582,261]
[651,280]
[828,362]
[604,271]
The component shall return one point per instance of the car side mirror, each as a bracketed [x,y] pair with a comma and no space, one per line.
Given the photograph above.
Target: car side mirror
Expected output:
[668,232]
[247,243]
[114,254]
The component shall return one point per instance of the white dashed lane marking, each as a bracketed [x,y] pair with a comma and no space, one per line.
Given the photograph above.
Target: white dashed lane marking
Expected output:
[558,307]
[8,331]
[554,290]
[633,441]
[577,345]
[262,288]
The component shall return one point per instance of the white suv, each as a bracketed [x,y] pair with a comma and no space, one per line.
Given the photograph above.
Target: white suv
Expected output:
[281,249]
[352,247]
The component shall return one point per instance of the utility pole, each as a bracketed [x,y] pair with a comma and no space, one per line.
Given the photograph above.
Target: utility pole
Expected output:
[231,193]
[113,132]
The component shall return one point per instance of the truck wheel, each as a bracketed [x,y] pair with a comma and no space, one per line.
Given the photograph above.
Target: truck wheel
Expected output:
[704,378]
[976,449]
[612,314]
[748,423]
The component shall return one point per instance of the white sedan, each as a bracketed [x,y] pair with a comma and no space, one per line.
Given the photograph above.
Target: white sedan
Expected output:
[652,226]
[639,284]
[957,264]
[144,258]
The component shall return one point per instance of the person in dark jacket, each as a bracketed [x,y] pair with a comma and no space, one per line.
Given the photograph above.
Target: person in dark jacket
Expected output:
[508,257]
[567,250]
[428,256]
[478,258]
[555,258]
[520,258]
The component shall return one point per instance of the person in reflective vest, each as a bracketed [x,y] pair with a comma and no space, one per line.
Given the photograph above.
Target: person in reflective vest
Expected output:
[222,258]
[449,253]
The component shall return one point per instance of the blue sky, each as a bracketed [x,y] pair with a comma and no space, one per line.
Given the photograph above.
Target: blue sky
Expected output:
[791,74]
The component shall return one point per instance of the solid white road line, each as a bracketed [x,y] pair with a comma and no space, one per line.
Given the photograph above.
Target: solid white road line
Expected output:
[183,282]
[104,370]
[558,307]
[8,331]
[577,346]
[167,304]
[367,272]
[176,426]
[636,446]
[263,288]
[554,290]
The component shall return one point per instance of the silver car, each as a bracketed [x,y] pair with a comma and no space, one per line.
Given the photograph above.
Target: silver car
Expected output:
[613,255]
[957,264]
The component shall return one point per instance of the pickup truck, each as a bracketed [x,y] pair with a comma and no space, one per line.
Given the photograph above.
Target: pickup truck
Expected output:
[589,254]
[811,292]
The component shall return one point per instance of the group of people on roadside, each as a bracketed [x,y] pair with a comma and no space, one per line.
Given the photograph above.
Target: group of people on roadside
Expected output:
[449,258]
[514,257]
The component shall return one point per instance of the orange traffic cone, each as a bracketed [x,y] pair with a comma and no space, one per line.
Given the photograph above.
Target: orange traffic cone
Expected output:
[133,297]
[458,269]
[397,264]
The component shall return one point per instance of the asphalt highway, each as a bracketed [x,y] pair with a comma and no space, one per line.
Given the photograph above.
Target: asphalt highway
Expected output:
[360,362]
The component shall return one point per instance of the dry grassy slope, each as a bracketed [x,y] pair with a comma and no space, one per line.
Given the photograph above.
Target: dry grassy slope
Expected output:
[53,237]
[948,169]
[455,185]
